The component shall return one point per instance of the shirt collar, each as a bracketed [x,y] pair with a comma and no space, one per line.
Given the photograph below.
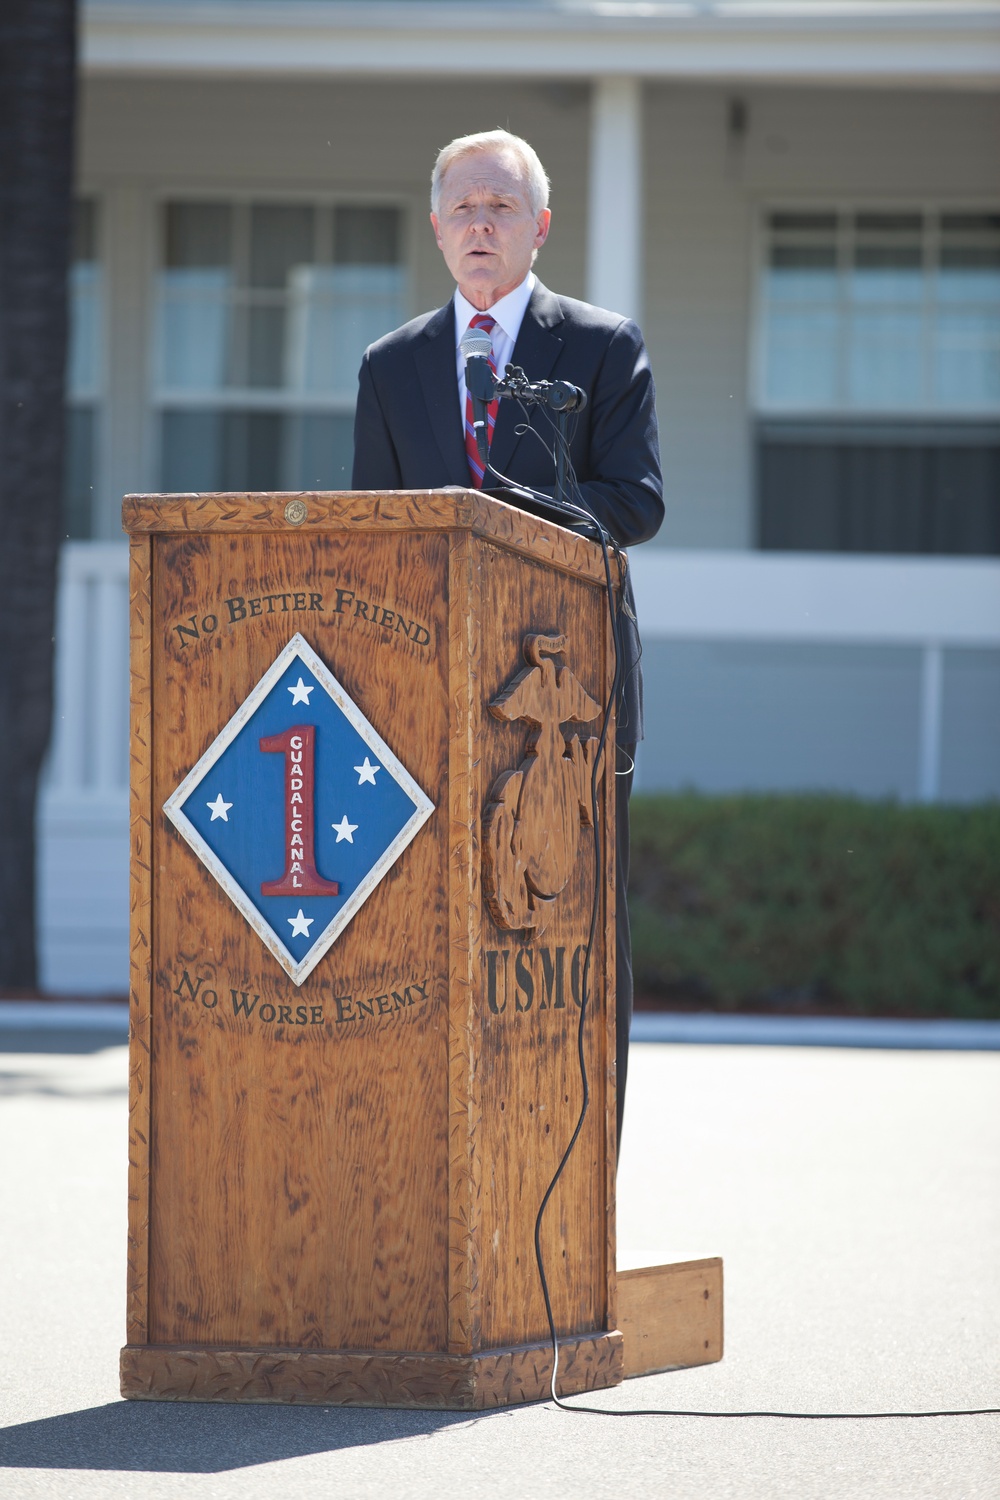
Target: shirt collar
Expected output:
[508,312]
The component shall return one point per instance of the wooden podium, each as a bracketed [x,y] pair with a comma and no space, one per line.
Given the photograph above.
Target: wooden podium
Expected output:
[336,1160]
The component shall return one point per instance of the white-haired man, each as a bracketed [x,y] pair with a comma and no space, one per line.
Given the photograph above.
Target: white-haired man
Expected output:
[490,215]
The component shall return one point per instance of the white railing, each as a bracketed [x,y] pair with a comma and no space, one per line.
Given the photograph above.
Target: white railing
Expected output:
[83,807]
[89,755]
[928,603]
[935,605]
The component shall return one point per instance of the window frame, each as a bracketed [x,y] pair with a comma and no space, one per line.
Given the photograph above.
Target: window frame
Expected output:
[250,399]
[94,399]
[766,410]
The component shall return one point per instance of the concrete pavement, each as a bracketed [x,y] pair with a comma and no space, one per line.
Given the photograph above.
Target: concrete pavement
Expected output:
[855,1197]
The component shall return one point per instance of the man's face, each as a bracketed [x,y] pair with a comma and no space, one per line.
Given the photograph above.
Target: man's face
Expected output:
[485,228]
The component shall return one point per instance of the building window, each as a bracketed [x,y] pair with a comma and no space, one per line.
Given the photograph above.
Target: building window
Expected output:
[84,374]
[263,313]
[878,381]
[882,312]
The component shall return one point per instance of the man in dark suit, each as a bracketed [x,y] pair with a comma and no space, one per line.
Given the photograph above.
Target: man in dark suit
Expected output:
[489,198]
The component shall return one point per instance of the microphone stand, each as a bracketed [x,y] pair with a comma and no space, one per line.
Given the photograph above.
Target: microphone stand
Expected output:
[560,397]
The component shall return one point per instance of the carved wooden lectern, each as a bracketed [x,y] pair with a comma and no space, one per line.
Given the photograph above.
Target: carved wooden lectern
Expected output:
[362,873]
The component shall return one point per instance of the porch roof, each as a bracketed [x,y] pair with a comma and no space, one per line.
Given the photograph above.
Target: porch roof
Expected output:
[895,43]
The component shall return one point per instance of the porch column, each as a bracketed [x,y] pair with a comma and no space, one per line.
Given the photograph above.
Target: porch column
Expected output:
[615,220]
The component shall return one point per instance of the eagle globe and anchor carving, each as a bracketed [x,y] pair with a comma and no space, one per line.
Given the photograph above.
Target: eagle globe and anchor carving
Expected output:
[532,822]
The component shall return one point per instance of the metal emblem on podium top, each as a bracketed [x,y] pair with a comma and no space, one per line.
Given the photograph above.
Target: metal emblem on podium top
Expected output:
[298,808]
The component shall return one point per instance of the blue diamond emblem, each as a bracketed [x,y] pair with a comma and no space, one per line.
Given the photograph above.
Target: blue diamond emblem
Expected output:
[298,808]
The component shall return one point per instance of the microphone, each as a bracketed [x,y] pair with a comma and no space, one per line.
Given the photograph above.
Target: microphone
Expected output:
[480,382]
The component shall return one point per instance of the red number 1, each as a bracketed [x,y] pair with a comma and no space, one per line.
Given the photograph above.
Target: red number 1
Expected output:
[301,878]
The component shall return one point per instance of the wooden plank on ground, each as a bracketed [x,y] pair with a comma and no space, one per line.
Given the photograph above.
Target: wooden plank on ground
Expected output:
[671,1316]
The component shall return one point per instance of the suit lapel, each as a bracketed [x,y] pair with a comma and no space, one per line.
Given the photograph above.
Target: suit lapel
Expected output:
[539,344]
[435,360]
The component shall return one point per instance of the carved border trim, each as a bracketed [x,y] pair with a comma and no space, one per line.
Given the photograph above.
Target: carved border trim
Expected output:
[495,1377]
[140,932]
[465,925]
[610,1133]
[359,511]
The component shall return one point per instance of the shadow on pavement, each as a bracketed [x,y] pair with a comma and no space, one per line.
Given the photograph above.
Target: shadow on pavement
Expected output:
[19,1077]
[188,1438]
[66,1041]
[18,1085]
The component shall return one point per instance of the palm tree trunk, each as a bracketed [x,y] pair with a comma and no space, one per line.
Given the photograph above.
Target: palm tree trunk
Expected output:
[37,85]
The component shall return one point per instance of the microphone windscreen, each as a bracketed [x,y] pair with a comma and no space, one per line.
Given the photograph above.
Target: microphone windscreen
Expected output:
[476,341]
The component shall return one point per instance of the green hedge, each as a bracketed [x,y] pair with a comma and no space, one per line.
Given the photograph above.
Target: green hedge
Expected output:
[816,903]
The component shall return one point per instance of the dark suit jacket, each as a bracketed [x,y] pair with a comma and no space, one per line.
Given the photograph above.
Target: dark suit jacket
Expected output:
[408,429]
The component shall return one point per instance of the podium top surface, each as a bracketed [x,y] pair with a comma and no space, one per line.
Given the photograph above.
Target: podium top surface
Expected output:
[360,511]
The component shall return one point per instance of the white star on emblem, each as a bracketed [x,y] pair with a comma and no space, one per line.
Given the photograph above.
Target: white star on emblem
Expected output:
[367,772]
[300,694]
[300,923]
[344,830]
[219,809]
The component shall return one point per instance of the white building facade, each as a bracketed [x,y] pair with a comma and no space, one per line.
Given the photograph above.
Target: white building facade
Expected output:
[800,202]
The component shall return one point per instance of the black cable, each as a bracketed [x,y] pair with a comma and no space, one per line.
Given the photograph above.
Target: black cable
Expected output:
[595,910]
[564,439]
[607,542]
[569,513]
[787,1416]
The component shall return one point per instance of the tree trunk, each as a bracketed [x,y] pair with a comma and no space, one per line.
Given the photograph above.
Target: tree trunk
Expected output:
[37,85]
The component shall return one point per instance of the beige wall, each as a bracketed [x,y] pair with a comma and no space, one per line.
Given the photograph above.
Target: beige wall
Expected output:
[704,193]
[142,138]
[315,137]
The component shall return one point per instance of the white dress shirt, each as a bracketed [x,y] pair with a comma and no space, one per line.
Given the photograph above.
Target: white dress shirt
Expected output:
[509,315]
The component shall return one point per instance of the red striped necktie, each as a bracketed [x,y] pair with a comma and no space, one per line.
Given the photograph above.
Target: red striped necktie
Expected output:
[487,324]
